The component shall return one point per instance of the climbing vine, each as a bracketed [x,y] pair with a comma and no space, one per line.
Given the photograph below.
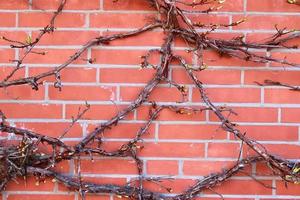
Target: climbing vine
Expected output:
[25,158]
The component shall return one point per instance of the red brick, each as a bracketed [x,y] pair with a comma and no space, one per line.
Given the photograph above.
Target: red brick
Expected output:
[54,56]
[52,129]
[250,114]
[211,58]
[167,114]
[84,93]
[22,92]
[108,166]
[10,19]
[104,180]
[223,150]
[258,37]
[164,149]
[97,197]
[287,151]
[159,94]
[162,167]
[186,55]
[63,20]
[262,169]
[39,196]
[119,20]
[225,35]
[69,74]
[32,110]
[288,77]
[280,199]
[30,184]
[187,131]
[14,5]
[271,6]
[270,133]
[203,168]
[175,186]
[210,19]
[224,77]
[284,188]
[63,166]
[290,115]
[126,5]
[118,57]
[243,187]
[124,130]
[7,55]
[282,96]
[232,5]
[108,75]
[230,95]
[151,38]
[229,5]
[109,146]
[267,22]
[66,37]
[12,35]
[70,5]
[291,57]
[100,112]
[225,198]
[5,71]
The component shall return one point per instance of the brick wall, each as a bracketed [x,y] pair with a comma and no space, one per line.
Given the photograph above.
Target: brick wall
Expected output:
[186,147]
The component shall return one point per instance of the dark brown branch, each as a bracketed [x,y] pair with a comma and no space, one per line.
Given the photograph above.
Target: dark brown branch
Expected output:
[30,46]
[142,97]
[34,81]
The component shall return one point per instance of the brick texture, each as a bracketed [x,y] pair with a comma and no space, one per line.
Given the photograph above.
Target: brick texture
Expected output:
[184,146]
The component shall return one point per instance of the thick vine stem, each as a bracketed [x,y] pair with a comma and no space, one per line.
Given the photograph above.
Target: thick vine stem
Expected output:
[125,191]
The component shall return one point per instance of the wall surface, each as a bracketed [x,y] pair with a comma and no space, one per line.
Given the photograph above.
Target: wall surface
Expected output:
[185,147]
